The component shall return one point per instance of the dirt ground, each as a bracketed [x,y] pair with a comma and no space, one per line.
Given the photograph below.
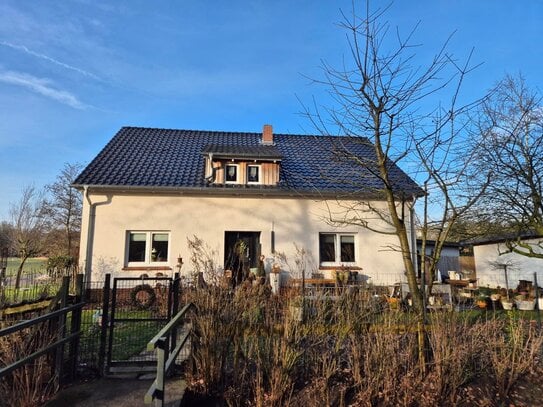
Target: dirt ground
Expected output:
[114,392]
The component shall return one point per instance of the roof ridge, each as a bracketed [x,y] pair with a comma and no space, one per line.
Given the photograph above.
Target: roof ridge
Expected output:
[252,133]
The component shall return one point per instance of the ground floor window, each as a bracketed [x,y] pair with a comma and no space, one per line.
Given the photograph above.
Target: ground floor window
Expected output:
[147,247]
[337,248]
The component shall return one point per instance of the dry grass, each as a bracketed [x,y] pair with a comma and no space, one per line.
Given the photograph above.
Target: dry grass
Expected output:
[31,384]
[251,349]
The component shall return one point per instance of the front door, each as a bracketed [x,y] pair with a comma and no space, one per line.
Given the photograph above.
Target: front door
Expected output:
[241,252]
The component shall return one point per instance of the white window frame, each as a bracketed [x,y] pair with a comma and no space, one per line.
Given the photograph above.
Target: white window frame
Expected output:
[259,174]
[148,248]
[237,173]
[337,249]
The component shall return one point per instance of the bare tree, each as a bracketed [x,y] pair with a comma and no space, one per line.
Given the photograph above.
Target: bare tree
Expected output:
[379,94]
[63,206]
[27,227]
[511,122]
[5,235]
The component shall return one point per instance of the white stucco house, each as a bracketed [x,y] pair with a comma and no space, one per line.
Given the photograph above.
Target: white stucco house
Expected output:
[149,190]
[493,260]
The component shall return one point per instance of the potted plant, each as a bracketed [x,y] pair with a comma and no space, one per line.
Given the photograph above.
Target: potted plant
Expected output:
[525,304]
[393,303]
[482,301]
[507,303]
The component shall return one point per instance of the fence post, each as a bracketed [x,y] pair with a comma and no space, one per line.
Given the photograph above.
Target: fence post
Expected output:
[104,324]
[75,326]
[59,354]
[162,356]
[175,308]
[537,298]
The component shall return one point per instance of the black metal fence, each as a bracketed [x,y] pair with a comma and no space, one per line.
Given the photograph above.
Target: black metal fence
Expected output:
[120,316]
[43,348]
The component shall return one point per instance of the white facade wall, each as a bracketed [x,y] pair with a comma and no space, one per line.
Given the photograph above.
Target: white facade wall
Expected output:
[491,274]
[293,220]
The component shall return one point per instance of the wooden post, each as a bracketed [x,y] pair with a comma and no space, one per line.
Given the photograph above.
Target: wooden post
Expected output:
[175,308]
[75,327]
[61,333]
[104,324]
[537,310]
[162,356]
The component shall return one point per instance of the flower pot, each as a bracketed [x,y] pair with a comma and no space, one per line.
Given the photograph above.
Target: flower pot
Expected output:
[275,282]
[540,303]
[495,297]
[393,303]
[507,305]
[526,305]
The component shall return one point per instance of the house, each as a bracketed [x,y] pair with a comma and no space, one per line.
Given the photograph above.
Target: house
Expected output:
[245,195]
[493,261]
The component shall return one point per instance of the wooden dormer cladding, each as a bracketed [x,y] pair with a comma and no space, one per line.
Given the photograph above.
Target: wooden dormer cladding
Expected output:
[218,158]
[269,172]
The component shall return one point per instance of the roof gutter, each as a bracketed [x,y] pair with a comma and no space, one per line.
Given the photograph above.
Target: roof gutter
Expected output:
[235,191]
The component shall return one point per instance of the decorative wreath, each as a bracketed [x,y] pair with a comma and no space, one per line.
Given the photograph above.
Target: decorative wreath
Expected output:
[147,300]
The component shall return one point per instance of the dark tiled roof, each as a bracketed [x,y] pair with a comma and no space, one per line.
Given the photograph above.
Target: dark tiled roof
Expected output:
[261,152]
[162,158]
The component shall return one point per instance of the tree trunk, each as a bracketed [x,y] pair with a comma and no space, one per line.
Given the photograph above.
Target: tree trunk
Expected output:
[20,271]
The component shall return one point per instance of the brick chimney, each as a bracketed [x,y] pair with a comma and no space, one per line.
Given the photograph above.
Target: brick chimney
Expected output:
[267,134]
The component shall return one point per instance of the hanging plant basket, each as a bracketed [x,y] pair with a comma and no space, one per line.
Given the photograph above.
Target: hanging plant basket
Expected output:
[143,296]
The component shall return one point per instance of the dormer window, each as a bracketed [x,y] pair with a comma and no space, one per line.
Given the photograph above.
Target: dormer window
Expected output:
[253,174]
[235,165]
[231,174]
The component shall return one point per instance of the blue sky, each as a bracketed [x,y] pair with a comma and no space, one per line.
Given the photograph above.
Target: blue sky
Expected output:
[73,72]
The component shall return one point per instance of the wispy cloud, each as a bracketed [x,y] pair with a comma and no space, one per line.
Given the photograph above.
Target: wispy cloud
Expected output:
[41,86]
[49,59]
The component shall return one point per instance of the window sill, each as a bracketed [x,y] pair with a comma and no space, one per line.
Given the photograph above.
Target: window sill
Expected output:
[340,267]
[147,268]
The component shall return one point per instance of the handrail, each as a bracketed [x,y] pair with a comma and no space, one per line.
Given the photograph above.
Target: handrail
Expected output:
[25,324]
[153,343]
[165,358]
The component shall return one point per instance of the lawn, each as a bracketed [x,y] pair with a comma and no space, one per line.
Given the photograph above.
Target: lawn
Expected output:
[33,264]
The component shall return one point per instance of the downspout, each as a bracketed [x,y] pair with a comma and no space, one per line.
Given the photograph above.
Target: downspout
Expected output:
[90,230]
[413,236]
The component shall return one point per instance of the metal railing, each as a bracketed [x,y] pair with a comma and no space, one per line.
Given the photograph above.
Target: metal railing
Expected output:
[59,331]
[163,342]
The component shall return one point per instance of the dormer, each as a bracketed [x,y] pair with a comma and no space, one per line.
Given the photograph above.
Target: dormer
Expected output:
[236,165]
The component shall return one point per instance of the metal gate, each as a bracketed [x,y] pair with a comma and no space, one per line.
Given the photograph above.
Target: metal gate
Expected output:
[140,307]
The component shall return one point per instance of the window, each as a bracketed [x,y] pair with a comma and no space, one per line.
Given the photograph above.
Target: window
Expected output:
[253,174]
[231,174]
[147,248]
[336,248]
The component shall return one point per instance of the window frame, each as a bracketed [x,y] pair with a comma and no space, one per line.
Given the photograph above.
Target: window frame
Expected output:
[259,167]
[337,249]
[237,166]
[148,261]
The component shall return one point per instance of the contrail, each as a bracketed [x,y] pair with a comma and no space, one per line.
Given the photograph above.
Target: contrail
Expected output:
[52,60]
[42,87]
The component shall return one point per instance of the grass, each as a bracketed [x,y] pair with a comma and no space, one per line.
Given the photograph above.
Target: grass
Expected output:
[130,338]
[36,292]
[33,263]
